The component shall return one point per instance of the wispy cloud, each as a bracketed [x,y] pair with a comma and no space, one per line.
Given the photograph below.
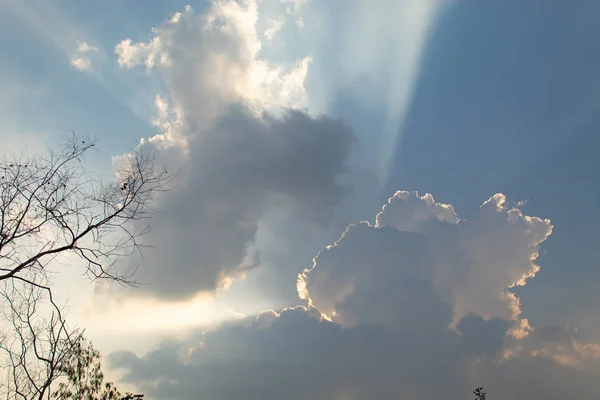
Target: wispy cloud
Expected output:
[274,26]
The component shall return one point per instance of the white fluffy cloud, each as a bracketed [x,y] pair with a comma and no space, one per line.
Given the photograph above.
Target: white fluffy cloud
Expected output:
[470,264]
[232,125]
[211,60]
[82,57]
[380,328]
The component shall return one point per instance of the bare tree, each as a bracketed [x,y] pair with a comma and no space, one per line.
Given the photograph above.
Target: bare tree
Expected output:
[52,206]
[37,351]
[34,340]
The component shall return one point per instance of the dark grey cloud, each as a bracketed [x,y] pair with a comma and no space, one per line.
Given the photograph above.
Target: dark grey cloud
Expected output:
[296,354]
[381,328]
[293,355]
[230,175]
[234,125]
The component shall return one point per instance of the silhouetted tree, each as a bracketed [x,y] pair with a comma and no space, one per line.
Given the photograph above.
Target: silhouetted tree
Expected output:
[50,206]
[479,394]
[84,377]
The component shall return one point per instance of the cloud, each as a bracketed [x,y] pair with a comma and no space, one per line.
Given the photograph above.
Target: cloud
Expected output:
[416,304]
[293,354]
[369,270]
[233,126]
[296,354]
[274,26]
[471,264]
[231,176]
[81,58]
[378,321]
[211,60]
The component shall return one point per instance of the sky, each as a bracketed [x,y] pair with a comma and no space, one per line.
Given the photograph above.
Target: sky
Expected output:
[375,199]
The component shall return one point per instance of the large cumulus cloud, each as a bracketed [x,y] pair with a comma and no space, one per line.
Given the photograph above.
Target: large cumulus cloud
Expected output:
[384,322]
[234,127]
[470,264]
[378,276]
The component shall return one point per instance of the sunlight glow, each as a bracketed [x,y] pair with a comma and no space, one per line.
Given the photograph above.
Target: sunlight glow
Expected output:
[150,315]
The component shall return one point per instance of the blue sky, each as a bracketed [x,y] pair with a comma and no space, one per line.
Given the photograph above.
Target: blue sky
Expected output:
[37,49]
[507,101]
[462,99]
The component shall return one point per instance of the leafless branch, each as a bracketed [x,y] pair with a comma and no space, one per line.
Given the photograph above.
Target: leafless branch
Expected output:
[34,339]
[52,206]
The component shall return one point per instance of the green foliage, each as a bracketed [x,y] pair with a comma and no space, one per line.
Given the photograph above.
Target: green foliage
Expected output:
[84,379]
